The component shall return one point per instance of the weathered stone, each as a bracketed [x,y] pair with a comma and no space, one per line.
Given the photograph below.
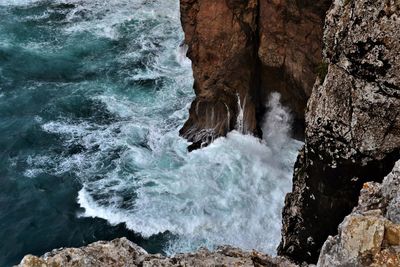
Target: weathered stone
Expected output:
[367,237]
[221,36]
[241,51]
[352,124]
[290,50]
[391,192]
[123,253]
[119,252]
[392,234]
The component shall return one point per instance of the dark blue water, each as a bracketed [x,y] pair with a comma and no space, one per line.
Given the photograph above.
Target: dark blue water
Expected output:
[55,59]
[92,95]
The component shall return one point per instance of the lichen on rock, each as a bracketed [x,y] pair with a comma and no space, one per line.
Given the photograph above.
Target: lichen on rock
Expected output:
[369,236]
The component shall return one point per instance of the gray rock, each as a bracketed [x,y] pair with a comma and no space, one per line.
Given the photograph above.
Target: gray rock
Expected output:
[391,192]
[352,124]
[123,253]
[368,237]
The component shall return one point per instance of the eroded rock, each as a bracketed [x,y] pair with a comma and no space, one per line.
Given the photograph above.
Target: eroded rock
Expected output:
[367,237]
[352,123]
[123,253]
[241,51]
[221,37]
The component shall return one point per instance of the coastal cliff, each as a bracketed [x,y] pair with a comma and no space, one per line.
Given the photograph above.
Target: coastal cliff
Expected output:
[352,123]
[346,64]
[241,51]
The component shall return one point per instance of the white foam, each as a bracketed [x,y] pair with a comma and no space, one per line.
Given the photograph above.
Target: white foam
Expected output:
[240,117]
[228,193]
[277,123]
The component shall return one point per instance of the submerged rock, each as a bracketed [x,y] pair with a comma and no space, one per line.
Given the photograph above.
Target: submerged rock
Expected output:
[123,253]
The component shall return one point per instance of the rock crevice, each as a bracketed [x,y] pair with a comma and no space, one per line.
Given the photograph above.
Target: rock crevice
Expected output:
[241,51]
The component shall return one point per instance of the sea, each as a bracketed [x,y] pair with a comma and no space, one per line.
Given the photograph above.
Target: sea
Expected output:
[92,96]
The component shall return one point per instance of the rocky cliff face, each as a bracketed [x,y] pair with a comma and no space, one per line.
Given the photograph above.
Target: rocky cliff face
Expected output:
[222,41]
[241,51]
[290,51]
[353,123]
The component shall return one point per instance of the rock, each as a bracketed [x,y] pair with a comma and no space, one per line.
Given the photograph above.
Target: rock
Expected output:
[392,234]
[221,37]
[290,51]
[367,237]
[360,242]
[119,252]
[352,124]
[391,192]
[123,253]
[241,51]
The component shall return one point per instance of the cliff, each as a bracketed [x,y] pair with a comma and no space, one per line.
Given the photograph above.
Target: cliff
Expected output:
[352,123]
[241,51]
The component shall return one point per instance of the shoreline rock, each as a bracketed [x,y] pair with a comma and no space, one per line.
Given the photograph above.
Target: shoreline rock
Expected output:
[123,253]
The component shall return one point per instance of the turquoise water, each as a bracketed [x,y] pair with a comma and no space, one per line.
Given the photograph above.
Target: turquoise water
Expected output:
[92,95]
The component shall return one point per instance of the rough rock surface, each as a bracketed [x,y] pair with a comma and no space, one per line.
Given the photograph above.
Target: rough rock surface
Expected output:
[241,51]
[352,123]
[290,51]
[123,253]
[221,38]
[370,235]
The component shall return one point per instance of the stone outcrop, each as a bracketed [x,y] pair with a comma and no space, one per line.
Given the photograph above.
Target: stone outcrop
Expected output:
[241,51]
[370,235]
[123,253]
[352,123]
[222,44]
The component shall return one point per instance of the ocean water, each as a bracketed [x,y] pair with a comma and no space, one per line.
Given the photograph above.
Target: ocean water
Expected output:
[92,96]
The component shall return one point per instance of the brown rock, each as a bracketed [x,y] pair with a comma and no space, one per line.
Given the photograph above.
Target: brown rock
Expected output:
[392,234]
[241,51]
[221,36]
[291,50]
